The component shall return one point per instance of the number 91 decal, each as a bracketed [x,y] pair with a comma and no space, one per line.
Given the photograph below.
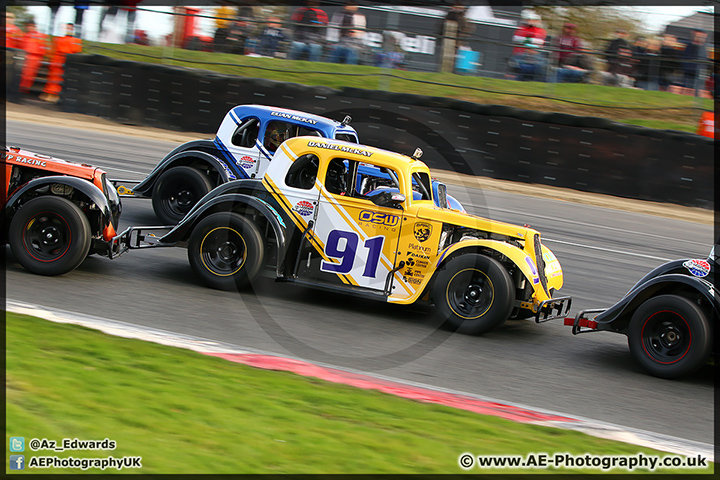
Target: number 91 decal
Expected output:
[345,252]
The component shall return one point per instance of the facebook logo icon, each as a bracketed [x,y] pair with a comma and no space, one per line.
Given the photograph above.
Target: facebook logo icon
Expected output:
[17,462]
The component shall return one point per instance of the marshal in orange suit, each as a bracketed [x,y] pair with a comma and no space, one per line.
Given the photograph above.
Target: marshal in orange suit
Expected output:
[62,46]
[34,44]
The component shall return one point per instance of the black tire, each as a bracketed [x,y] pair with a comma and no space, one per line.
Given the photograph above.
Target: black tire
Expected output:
[670,336]
[50,236]
[474,294]
[226,250]
[176,191]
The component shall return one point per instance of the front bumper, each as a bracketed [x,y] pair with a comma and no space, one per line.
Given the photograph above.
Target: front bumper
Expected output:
[553,308]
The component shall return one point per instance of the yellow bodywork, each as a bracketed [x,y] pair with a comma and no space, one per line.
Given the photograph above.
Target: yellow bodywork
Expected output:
[413,234]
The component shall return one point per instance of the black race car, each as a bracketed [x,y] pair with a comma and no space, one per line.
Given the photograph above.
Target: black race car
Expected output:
[668,316]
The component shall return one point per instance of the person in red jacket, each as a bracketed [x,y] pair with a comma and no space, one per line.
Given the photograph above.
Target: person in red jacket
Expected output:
[34,44]
[61,47]
[528,37]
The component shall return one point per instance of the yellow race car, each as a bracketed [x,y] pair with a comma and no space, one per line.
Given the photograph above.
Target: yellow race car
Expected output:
[361,220]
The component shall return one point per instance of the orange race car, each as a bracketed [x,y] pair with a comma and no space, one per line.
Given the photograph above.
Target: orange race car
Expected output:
[55,213]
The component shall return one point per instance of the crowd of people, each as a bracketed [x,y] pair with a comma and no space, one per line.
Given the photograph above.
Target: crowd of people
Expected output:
[648,62]
[38,47]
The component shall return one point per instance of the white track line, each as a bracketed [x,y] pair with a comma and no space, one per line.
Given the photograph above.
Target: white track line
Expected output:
[591,427]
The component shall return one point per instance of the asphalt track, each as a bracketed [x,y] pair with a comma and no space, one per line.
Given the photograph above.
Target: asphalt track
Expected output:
[603,251]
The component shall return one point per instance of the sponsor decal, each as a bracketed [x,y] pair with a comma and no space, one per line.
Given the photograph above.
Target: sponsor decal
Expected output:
[533,269]
[699,268]
[342,148]
[29,161]
[418,251]
[246,162]
[379,218]
[417,262]
[412,280]
[304,208]
[422,231]
[297,118]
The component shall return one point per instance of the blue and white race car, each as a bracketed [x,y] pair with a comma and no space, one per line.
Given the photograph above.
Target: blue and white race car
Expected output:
[243,147]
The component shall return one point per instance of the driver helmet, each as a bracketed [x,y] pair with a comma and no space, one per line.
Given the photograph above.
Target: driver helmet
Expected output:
[275,136]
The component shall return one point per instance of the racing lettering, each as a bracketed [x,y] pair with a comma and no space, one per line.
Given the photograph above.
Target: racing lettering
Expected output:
[294,117]
[342,148]
[29,161]
[381,218]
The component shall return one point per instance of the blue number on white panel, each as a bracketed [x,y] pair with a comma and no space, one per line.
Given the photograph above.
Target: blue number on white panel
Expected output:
[346,254]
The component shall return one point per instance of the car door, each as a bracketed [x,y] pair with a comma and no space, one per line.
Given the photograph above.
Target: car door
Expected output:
[358,239]
[242,147]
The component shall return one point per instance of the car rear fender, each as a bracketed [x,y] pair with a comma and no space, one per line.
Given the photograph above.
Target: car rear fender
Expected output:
[617,317]
[186,154]
[227,203]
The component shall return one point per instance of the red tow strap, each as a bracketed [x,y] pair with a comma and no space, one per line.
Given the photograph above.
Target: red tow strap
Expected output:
[583,322]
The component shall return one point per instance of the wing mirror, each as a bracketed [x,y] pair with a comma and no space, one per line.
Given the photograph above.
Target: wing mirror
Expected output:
[442,195]
[388,199]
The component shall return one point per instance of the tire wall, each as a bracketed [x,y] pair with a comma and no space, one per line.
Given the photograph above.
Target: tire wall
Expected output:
[583,153]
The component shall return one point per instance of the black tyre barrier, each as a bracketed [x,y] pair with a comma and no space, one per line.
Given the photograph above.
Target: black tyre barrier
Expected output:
[584,153]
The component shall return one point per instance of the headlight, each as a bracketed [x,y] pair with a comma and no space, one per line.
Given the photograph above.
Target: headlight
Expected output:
[61,189]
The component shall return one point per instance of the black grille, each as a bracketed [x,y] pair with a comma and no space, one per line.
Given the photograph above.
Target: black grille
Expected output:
[540,263]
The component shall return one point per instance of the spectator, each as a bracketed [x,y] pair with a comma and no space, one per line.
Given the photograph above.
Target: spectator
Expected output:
[130,7]
[530,66]
[612,51]
[109,10]
[80,7]
[351,26]
[62,46]
[620,71]
[669,62]
[694,52]
[530,33]
[223,19]
[391,55]
[309,24]
[13,33]
[646,52]
[568,43]
[578,67]
[238,35]
[271,38]
[34,44]
[54,8]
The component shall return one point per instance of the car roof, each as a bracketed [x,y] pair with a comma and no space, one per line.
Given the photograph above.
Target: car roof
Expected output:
[356,151]
[296,116]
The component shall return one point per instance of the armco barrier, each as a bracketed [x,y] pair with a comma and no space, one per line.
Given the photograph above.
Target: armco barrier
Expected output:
[583,153]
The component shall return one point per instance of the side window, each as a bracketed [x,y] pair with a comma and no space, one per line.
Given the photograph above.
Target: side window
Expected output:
[303,172]
[347,137]
[276,133]
[246,133]
[336,179]
[372,180]
[305,131]
[421,184]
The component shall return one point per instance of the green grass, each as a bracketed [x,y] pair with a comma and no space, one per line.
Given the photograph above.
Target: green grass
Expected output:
[591,100]
[184,412]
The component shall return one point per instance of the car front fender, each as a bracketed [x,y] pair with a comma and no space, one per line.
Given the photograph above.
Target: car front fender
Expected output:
[521,259]
[617,317]
[88,188]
